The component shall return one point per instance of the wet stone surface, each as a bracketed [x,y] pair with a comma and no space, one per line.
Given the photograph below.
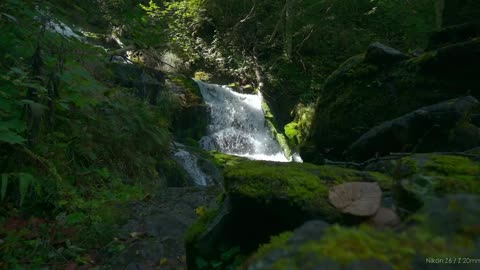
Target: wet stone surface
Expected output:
[154,235]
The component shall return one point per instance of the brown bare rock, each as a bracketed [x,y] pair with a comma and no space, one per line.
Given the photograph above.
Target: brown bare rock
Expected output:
[356,198]
[385,217]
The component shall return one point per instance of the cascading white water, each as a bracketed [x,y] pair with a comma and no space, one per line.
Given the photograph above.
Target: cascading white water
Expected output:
[190,163]
[238,125]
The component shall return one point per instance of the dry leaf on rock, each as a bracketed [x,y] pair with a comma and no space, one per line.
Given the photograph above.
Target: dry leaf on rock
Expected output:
[356,198]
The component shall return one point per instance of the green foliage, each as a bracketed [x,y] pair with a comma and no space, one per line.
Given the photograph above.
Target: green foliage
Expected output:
[294,44]
[229,259]
[74,148]
[200,226]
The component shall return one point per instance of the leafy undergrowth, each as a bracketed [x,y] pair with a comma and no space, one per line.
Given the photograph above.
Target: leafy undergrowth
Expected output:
[74,148]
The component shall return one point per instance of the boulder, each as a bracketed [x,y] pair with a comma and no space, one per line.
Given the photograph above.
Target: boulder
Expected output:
[147,82]
[266,198]
[421,177]
[191,121]
[359,95]
[447,225]
[423,129]
[379,54]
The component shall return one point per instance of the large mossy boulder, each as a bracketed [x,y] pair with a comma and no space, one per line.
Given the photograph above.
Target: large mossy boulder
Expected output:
[431,128]
[360,95]
[266,198]
[421,177]
[446,228]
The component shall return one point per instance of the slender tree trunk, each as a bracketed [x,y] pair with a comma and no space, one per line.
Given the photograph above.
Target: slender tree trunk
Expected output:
[439,7]
[288,45]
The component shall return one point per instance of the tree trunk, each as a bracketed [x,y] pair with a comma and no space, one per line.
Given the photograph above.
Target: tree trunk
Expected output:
[288,45]
[439,7]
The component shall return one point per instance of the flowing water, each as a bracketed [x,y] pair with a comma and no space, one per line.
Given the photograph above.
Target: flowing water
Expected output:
[238,126]
[189,162]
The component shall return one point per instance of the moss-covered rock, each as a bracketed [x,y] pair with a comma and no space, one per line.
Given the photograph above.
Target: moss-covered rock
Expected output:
[360,95]
[277,133]
[444,229]
[190,123]
[298,130]
[440,127]
[422,177]
[266,198]
[147,82]
[303,187]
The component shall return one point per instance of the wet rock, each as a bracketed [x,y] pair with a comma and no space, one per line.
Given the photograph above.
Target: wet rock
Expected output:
[418,128]
[421,177]
[431,175]
[191,122]
[266,198]
[446,224]
[379,54]
[154,236]
[147,82]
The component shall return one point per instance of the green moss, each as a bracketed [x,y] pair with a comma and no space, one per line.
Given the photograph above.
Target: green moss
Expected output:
[422,177]
[278,241]
[342,246]
[194,96]
[385,181]
[346,245]
[202,75]
[304,185]
[196,229]
[445,174]
[224,160]
[292,132]
[298,130]
[452,165]
[279,136]
[221,198]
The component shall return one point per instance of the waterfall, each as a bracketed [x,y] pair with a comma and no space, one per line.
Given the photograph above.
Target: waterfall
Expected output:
[238,125]
[190,163]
